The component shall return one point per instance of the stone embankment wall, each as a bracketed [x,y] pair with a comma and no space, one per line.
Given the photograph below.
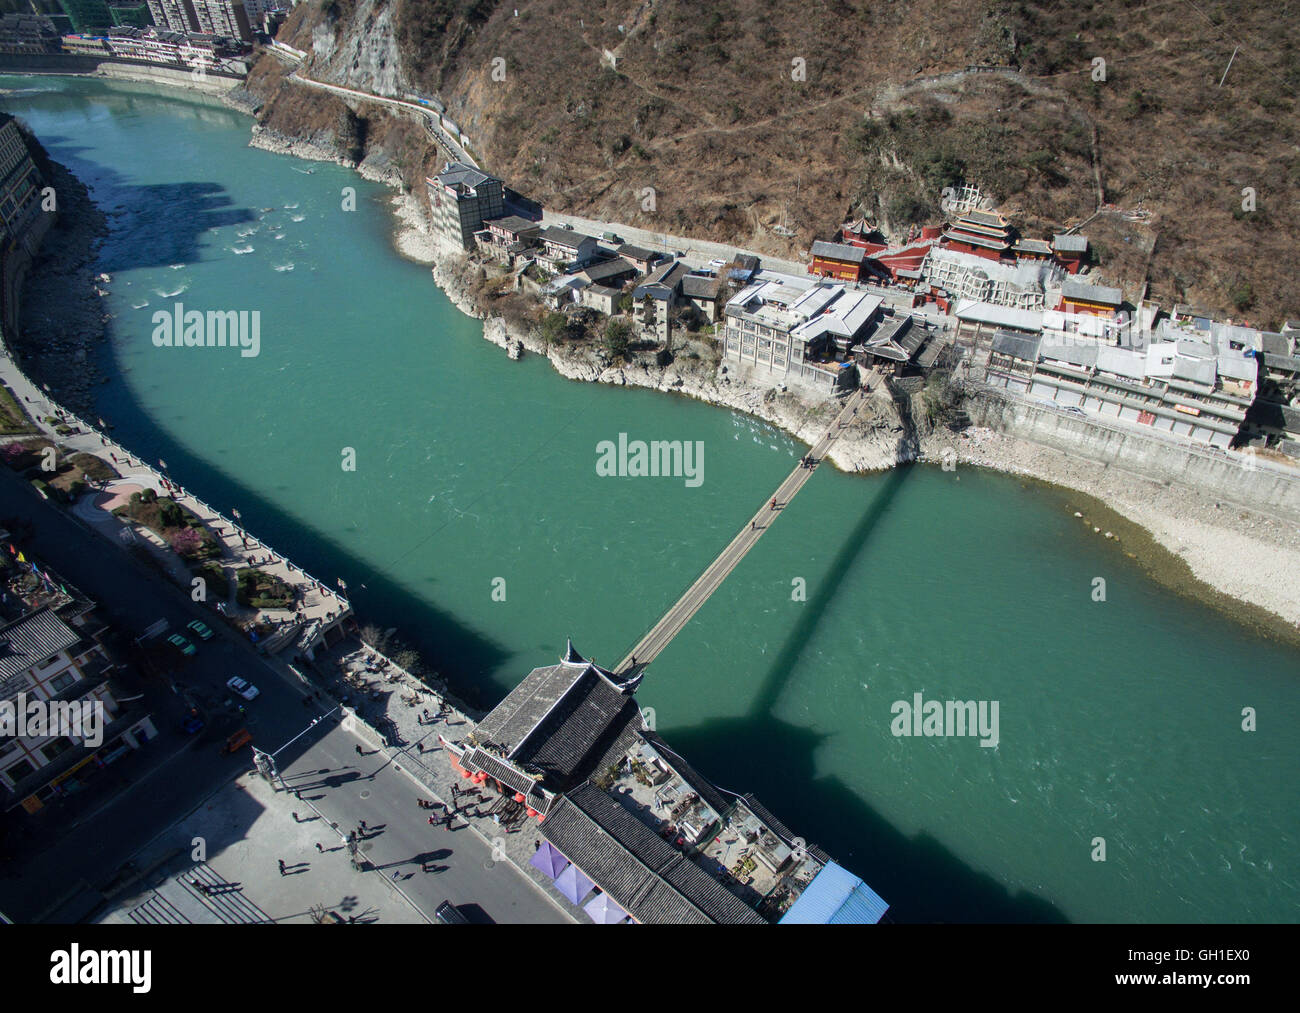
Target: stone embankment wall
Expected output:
[1233,476]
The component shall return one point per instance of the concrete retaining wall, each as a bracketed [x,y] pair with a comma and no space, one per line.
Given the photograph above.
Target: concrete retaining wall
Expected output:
[1233,475]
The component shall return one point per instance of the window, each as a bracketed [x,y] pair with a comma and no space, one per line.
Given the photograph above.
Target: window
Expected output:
[56,747]
[61,682]
[18,771]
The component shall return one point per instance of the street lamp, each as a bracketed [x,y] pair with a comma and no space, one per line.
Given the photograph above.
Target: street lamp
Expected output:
[266,761]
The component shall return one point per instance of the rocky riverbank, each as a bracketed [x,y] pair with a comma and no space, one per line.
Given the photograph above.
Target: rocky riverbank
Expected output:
[1233,556]
[62,316]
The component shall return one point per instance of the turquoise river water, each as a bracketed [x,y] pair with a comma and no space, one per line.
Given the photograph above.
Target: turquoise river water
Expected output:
[1119,720]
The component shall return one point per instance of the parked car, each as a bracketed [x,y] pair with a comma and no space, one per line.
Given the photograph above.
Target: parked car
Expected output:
[199,629]
[237,741]
[181,644]
[447,914]
[242,687]
[192,725]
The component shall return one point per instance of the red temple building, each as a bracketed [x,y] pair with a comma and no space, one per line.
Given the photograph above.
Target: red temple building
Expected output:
[983,233]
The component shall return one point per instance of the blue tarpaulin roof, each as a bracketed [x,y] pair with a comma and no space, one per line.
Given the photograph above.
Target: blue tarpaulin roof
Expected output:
[836,897]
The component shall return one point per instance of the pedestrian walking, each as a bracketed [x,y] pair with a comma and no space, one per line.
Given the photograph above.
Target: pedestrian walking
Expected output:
[773,502]
[359,753]
[320,849]
[395,874]
[363,825]
[281,866]
[295,817]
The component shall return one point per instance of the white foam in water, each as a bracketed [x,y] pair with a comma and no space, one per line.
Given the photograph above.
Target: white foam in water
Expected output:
[298,218]
[284,267]
[140,306]
[242,249]
[168,295]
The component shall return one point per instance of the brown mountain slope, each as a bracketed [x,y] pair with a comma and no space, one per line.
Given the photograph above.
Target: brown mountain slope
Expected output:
[704,104]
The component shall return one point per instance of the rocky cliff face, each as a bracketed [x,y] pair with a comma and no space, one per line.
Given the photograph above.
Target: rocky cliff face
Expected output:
[355,46]
[766,124]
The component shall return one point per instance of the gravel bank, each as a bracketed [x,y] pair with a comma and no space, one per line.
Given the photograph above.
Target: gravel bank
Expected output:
[62,317]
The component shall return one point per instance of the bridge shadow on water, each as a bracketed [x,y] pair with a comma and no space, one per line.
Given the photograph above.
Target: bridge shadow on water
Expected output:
[921,879]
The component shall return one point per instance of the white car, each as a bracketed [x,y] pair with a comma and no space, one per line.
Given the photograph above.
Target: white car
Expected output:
[245,689]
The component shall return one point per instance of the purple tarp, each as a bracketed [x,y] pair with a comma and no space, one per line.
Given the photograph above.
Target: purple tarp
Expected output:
[573,884]
[548,860]
[604,911]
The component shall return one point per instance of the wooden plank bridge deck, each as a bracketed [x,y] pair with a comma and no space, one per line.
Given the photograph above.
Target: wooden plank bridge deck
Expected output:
[662,633]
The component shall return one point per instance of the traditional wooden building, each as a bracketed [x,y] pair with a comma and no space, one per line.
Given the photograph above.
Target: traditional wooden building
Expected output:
[862,234]
[558,727]
[1032,249]
[983,233]
[564,248]
[1071,251]
[837,260]
[1080,297]
[641,258]
[507,239]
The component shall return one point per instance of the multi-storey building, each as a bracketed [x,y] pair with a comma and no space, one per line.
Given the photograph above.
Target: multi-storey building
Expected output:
[20,181]
[174,15]
[53,665]
[130,14]
[797,330]
[628,829]
[28,33]
[227,19]
[87,16]
[462,199]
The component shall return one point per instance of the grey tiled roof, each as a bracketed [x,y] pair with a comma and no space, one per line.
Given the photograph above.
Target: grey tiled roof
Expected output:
[458,174]
[610,269]
[477,759]
[562,720]
[1070,244]
[1075,354]
[1072,289]
[697,286]
[641,872]
[839,251]
[1018,345]
[635,252]
[514,224]
[564,237]
[32,640]
[577,731]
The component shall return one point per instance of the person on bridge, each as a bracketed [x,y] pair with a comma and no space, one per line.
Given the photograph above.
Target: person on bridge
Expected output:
[773,502]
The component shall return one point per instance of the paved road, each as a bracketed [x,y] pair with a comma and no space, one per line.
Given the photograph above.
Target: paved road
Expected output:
[662,633]
[63,849]
[132,598]
[376,789]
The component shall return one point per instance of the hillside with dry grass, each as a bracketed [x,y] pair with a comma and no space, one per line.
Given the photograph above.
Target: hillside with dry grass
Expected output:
[745,116]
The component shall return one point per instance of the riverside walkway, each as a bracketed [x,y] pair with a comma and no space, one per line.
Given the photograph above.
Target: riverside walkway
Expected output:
[662,633]
[318,606]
